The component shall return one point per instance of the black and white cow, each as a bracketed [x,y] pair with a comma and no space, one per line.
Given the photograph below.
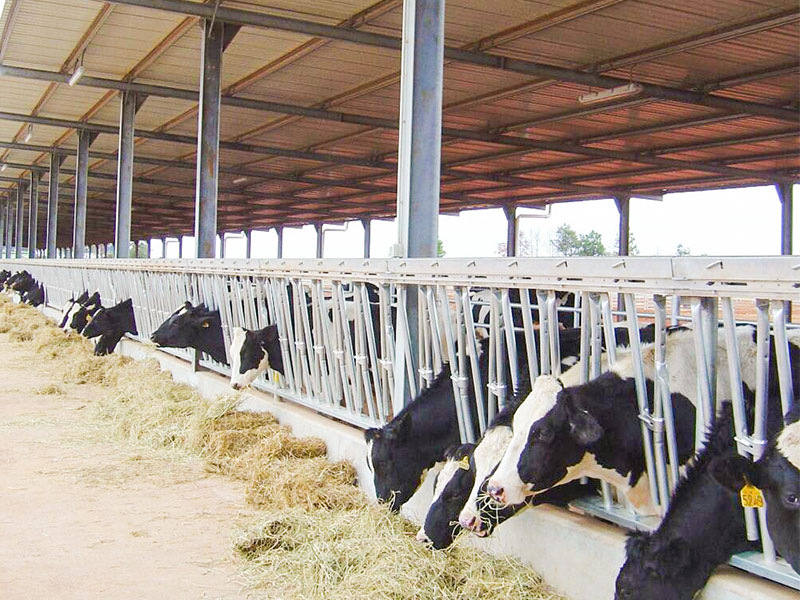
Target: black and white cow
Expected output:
[193,327]
[81,314]
[35,295]
[19,284]
[110,324]
[252,352]
[481,308]
[67,310]
[777,474]
[4,275]
[563,432]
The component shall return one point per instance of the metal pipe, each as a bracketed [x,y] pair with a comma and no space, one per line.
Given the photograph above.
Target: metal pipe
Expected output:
[33,214]
[122,227]
[9,226]
[20,217]
[81,183]
[591,79]
[52,205]
[3,224]
[624,207]
[511,230]
[279,231]
[367,224]
[320,240]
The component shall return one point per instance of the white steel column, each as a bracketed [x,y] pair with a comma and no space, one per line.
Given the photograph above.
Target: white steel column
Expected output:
[81,184]
[9,226]
[20,217]
[33,215]
[367,224]
[122,228]
[52,206]
[511,230]
[279,231]
[624,207]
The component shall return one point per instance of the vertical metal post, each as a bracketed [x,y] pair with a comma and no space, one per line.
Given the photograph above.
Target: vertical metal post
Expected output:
[367,224]
[33,214]
[9,226]
[279,231]
[20,217]
[180,246]
[419,143]
[786,196]
[164,247]
[205,214]
[122,229]
[511,230]
[624,207]
[222,245]
[81,182]
[3,225]
[52,205]
[320,240]
[248,243]
[149,252]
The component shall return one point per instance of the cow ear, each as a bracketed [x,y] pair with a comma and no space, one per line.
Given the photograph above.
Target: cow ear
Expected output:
[371,434]
[584,428]
[637,543]
[399,427]
[733,471]
[270,333]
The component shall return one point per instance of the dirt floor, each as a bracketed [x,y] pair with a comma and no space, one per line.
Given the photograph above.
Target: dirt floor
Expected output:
[84,517]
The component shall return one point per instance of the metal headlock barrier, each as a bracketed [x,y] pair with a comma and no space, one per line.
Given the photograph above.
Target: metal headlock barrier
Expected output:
[344,335]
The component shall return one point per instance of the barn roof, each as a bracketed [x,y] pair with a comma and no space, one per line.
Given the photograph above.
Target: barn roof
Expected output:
[309,122]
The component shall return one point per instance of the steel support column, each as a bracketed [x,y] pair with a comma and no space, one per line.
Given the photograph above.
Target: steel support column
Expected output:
[786,196]
[248,243]
[122,228]
[18,241]
[367,224]
[511,230]
[81,184]
[222,245]
[3,225]
[180,246]
[9,226]
[320,240]
[52,205]
[33,215]
[279,231]
[624,207]
[419,152]
[216,35]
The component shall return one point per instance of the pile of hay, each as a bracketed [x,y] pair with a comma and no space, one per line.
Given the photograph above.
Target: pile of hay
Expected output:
[371,553]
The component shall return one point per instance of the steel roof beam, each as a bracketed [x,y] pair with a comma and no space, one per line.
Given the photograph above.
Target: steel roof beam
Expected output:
[254,19]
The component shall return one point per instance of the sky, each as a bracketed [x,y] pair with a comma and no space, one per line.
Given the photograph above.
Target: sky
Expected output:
[735,222]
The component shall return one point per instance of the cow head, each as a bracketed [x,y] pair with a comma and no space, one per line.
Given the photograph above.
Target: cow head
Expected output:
[81,314]
[777,474]
[183,326]
[392,461]
[114,322]
[666,569]
[450,490]
[252,352]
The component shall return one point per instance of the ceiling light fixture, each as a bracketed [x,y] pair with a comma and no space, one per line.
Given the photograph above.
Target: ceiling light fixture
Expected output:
[239,180]
[29,133]
[630,89]
[76,75]
[3,167]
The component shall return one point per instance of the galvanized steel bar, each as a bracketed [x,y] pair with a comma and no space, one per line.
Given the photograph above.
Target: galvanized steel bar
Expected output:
[52,205]
[624,233]
[782,356]
[122,228]
[367,224]
[9,227]
[33,215]
[20,216]
[81,183]
[511,230]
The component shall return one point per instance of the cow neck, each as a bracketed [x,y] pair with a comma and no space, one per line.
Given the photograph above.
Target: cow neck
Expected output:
[211,341]
[433,419]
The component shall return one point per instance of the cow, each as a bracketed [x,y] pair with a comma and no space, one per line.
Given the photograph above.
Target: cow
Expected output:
[481,308]
[193,327]
[35,295]
[80,314]
[66,311]
[565,432]
[458,483]
[252,352]
[777,474]
[4,275]
[702,529]
[18,284]
[110,324]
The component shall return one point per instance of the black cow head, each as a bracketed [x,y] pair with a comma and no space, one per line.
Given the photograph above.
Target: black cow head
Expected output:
[82,313]
[193,327]
[252,352]
[660,569]
[393,461]
[111,324]
[35,295]
[777,474]
[451,489]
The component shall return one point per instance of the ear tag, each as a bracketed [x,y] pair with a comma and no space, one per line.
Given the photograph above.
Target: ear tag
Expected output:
[276,377]
[205,325]
[751,496]
[464,463]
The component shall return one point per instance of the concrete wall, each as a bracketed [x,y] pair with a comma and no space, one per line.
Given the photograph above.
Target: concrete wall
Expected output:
[578,556]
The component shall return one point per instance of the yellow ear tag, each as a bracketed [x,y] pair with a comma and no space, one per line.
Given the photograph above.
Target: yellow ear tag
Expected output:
[206,325]
[464,463]
[751,496]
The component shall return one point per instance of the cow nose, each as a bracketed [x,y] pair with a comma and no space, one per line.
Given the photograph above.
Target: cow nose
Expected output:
[423,537]
[236,386]
[497,492]
[467,521]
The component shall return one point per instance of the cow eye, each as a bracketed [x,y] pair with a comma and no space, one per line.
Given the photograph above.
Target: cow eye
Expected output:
[793,500]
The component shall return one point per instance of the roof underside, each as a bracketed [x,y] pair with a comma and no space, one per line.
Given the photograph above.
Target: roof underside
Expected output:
[534,142]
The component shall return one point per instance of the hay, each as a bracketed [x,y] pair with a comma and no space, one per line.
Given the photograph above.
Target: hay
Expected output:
[371,553]
[310,483]
[51,390]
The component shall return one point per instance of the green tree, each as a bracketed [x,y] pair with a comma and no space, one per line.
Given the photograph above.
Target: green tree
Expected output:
[633,249]
[440,251]
[567,242]
[682,250]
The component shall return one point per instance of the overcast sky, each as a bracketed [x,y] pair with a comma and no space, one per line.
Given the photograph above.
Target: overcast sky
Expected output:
[726,222]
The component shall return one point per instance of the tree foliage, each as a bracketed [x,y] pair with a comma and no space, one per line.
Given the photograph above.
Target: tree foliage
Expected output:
[440,251]
[682,250]
[568,242]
